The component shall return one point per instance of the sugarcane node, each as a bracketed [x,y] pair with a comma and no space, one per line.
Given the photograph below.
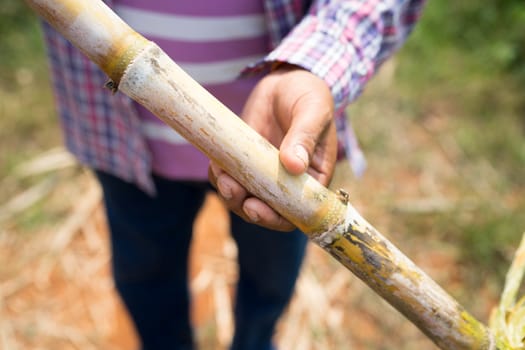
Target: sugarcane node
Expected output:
[123,53]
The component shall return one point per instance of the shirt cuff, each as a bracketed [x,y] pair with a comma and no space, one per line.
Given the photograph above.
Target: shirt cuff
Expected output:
[325,54]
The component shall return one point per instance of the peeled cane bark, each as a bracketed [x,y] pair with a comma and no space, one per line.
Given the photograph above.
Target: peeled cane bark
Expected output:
[141,70]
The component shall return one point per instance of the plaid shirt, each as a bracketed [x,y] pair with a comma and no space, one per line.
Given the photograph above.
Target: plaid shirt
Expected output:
[343,42]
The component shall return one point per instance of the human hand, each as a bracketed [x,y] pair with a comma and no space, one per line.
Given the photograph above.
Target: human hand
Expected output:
[293,109]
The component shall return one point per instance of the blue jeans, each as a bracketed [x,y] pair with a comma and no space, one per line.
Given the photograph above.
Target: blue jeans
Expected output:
[150,239]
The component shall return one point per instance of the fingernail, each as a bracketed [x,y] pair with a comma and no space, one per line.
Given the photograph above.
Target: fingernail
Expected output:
[300,152]
[254,217]
[224,189]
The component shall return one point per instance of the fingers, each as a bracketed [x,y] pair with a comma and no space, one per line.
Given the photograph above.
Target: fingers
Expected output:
[239,201]
[260,213]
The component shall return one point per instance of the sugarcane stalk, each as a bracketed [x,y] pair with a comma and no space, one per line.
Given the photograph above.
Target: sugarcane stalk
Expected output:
[141,70]
[508,319]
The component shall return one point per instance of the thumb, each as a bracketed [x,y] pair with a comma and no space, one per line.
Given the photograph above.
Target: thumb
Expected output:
[307,126]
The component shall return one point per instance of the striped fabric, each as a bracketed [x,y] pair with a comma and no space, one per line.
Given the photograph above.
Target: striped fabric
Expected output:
[343,42]
[211,43]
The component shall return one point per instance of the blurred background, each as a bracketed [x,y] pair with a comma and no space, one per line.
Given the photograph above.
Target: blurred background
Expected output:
[442,126]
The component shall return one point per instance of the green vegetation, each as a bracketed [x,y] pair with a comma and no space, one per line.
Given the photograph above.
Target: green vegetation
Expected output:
[21,41]
[28,122]
[461,77]
[471,57]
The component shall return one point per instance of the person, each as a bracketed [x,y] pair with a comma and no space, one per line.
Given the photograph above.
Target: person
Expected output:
[289,68]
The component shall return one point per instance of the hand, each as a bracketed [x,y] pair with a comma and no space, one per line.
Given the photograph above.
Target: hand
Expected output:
[293,109]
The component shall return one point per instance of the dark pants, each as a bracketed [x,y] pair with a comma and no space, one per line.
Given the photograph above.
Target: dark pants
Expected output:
[150,238]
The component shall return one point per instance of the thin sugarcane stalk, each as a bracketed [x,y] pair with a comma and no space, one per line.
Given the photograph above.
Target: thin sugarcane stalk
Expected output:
[141,70]
[508,318]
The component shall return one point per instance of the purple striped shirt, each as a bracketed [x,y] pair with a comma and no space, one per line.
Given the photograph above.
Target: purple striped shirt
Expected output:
[341,41]
[213,44]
